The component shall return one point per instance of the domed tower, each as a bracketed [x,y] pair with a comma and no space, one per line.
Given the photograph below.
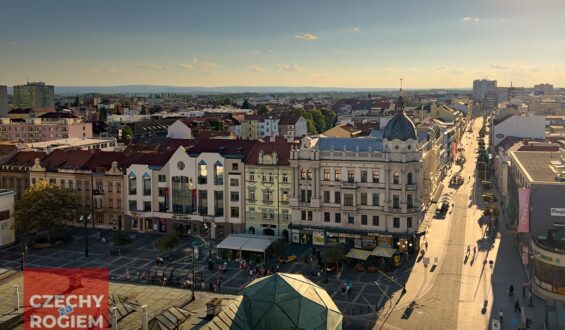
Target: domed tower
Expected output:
[400,133]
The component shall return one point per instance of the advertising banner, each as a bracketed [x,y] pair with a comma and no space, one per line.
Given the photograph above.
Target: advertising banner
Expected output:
[66,298]
[524,210]
[318,237]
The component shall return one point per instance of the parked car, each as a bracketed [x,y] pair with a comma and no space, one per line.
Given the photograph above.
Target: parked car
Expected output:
[287,259]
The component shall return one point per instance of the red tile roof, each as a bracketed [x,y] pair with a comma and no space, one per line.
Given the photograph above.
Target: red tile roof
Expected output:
[282,148]
[102,161]
[66,159]
[24,158]
[227,148]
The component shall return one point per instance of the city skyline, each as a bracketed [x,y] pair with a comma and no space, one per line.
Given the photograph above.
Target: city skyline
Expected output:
[436,44]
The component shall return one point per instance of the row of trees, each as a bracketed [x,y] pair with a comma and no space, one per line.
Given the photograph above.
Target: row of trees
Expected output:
[45,207]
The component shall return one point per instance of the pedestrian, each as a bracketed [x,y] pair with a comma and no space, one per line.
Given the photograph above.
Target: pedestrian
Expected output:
[511,290]
[426,245]
[501,316]
[468,249]
[474,250]
[343,290]
[517,306]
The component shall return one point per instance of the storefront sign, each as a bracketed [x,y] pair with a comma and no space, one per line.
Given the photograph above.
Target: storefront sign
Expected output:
[295,236]
[557,212]
[524,210]
[318,237]
[548,257]
[385,241]
[368,242]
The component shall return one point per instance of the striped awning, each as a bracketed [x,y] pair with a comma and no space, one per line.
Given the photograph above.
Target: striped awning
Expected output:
[358,254]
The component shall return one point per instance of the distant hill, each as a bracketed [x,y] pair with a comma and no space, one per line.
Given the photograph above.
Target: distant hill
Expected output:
[152,89]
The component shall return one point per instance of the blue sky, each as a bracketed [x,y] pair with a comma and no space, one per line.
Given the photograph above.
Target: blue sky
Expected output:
[430,43]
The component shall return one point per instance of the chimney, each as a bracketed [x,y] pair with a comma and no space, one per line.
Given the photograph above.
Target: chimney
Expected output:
[113,318]
[144,321]
[16,298]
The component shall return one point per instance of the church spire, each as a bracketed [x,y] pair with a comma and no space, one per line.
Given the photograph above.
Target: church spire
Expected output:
[399,103]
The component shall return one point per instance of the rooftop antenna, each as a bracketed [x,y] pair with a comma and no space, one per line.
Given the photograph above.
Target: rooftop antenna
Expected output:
[400,86]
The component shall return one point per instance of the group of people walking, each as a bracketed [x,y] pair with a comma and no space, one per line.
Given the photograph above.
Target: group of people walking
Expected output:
[517,306]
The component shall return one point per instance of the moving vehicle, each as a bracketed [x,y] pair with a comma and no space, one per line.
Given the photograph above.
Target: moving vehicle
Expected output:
[287,259]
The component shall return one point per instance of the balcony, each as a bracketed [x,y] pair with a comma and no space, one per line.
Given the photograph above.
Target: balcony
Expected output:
[395,210]
[98,192]
[411,187]
[349,207]
[349,185]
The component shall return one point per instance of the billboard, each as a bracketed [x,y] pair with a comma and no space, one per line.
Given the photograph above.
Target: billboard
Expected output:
[524,210]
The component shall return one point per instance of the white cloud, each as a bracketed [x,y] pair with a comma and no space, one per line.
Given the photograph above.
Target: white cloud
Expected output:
[258,69]
[356,29]
[196,64]
[470,19]
[151,66]
[306,37]
[290,67]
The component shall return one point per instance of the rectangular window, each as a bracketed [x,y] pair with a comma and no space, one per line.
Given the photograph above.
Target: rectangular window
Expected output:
[235,167]
[326,216]
[110,186]
[310,217]
[409,201]
[161,192]
[285,215]
[337,197]
[409,222]
[218,175]
[395,201]
[234,212]
[338,218]
[110,203]
[363,198]
[396,222]
[303,213]
[62,183]
[284,196]
[376,220]
[118,187]
[326,196]
[337,175]
[252,195]
[147,206]
[376,199]
[285,178]
[203,202]
[234,182]
[202,173]
[162,178]
[348,199]
[350,218]
[234,196]
[267,195]
[146,185]
[71,184]
[119,204]
[363,176]
[252,176]
[218,203]
[79,186]
[132,205]
[326,174]
[376,176]
[162,207]
[364,219]
[303,174]
[132,185]
[350,176]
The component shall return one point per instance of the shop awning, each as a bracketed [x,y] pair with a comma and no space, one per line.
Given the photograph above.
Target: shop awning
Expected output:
[380,251]
[251,243]
[232,242]
[358,254]
[438,192]
[257,245]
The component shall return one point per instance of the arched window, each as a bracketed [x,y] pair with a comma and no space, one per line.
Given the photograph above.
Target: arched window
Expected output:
[218,173]
[409,178]
[202,172]
[309,174]
[132,183]
[395,178]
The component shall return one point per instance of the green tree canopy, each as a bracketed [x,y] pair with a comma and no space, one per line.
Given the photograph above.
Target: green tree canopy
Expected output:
[127,132]
[167,242]
[263,110]
[246,104]
[103,114]
[44,206]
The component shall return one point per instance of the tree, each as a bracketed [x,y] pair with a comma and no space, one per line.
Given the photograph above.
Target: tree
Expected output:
[104,114]
[143,111]
[319,120]
[127,132]
[263,110]
[46,207]
[246,104]
[120,239]
[336,255]
[77,101]
[167,242]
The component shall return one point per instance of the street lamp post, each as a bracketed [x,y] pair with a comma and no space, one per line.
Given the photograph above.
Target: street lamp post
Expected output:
[193,273]
[325,257]
[85,220]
